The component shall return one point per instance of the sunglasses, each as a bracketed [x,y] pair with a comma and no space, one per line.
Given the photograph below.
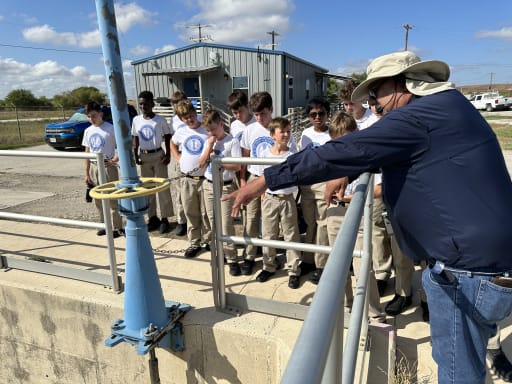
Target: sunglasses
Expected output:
[314,115]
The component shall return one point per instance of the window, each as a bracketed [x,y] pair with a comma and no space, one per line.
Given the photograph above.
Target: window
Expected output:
[241,83]
[290,88]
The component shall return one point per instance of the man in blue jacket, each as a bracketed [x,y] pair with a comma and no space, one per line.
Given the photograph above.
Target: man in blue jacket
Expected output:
[448,196]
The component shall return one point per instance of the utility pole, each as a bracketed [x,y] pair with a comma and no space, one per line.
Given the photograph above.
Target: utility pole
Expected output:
[490,84]
[274,34]
[407,27]
[199,27]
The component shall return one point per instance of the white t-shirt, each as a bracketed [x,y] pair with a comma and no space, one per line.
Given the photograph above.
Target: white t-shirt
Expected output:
[176,124]
[227,147]
[255,139]
[150,131]
[237,128]
[101,139]
[192,142]
[368,119]
[285,191]
[351,188]
[310,137]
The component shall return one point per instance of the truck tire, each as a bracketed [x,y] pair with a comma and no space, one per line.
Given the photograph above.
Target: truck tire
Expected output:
[488,108]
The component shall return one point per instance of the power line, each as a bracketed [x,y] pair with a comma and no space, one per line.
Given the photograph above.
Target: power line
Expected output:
[50,49]
[199,28]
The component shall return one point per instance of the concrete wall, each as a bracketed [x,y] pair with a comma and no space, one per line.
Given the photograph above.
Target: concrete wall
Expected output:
[59,338]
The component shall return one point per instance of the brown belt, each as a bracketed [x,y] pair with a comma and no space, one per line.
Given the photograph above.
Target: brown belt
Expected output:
[505,282]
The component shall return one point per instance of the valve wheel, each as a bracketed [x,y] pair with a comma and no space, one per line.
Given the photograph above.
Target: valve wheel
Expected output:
[111,191]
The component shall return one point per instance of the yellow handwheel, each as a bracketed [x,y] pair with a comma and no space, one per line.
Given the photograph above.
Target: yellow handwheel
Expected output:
[148,186]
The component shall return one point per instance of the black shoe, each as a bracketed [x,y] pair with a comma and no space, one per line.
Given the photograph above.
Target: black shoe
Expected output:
[246,267]
[101,232]
[164,226]
[315,277]
[181,230]
[397,305]
[234,269]
[381,286]
[264,276]
[293,282]
[117,233]
[500,365]
[153,223]
[206,246]
[192,251]
[306,268]
[426,312]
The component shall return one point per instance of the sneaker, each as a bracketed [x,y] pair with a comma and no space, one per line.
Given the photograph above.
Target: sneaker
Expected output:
[181,230]
[398,304]
[206,247]
[101,232]
[499,364]
[246,267]
[426,312]
[234,269]
[153,223]
[264,276]
[117,233]
[315,277]
[164,226]
[293,282]
[381,287]
[192,251]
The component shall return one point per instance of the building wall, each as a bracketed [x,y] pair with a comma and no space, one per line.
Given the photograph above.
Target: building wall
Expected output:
[266,71]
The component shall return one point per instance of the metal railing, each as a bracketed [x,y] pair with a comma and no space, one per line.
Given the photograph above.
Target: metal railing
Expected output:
[317,355]
[113,280]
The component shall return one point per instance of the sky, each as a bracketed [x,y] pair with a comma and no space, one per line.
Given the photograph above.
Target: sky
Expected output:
[51,47]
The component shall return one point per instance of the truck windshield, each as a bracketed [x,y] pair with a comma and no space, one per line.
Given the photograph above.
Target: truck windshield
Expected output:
[77,116]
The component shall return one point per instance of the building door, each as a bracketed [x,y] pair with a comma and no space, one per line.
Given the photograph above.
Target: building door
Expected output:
[191,86]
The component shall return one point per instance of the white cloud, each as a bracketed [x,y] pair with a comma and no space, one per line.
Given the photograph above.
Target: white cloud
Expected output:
[235,21]
[127,16]
[503,33]
[139,50]
[165,48]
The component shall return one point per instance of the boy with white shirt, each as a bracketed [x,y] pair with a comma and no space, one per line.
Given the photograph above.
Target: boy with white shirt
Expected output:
[192,139]
[221,144]
[149,130]
[312,197]
[100,138]
[280,210]
[176,125]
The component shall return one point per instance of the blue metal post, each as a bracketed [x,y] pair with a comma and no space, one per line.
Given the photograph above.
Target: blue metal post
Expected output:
[146,317]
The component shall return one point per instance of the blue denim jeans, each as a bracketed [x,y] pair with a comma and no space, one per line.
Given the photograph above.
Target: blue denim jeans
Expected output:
[463,315]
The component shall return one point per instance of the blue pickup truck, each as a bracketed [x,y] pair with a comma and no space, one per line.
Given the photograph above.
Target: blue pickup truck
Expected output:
[69,134]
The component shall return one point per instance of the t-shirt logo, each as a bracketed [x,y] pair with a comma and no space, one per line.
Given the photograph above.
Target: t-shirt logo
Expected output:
[147,132]
[260,144]
[239,135]
[96,143]
[194,144]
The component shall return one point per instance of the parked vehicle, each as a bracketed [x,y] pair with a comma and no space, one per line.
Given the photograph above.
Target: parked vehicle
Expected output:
[490,101]
[69,134]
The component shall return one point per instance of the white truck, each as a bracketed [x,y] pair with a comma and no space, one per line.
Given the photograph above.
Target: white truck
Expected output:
[490,101]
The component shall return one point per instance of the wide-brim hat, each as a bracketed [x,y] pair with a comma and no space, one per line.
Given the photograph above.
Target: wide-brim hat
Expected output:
[396,63]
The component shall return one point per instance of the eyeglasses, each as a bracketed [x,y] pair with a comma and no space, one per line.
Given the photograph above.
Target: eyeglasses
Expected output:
[372,93]
[313,115]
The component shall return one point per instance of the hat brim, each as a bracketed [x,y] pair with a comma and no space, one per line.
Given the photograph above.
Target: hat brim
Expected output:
[438,70]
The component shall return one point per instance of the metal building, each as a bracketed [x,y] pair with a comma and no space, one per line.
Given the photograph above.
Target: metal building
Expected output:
[210,72]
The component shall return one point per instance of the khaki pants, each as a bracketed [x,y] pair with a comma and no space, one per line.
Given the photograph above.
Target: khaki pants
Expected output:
[175,172]
[227,221]
[404,270]
[282,211]
[381,242]
[312,199]
[334,219]
[112,174]
[252,223]
[152,166]
[198,226]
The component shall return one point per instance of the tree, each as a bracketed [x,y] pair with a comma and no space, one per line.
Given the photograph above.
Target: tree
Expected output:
[21,97]
[79,97]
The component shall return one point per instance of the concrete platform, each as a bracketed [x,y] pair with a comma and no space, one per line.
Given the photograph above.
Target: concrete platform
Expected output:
[183,280]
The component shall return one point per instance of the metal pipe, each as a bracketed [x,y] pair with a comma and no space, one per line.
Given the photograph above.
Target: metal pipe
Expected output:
[307,362]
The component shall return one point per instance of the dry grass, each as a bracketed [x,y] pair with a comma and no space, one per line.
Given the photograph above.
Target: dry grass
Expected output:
[406,373]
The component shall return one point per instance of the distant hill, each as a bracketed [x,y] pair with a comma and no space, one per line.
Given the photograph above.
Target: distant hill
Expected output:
[503,89]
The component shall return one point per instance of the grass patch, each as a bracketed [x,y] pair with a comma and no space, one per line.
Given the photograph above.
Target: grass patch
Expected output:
[504,134]
[26,134]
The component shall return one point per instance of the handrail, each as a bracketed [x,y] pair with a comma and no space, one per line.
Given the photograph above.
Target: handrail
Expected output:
[107,225]
[316,355]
